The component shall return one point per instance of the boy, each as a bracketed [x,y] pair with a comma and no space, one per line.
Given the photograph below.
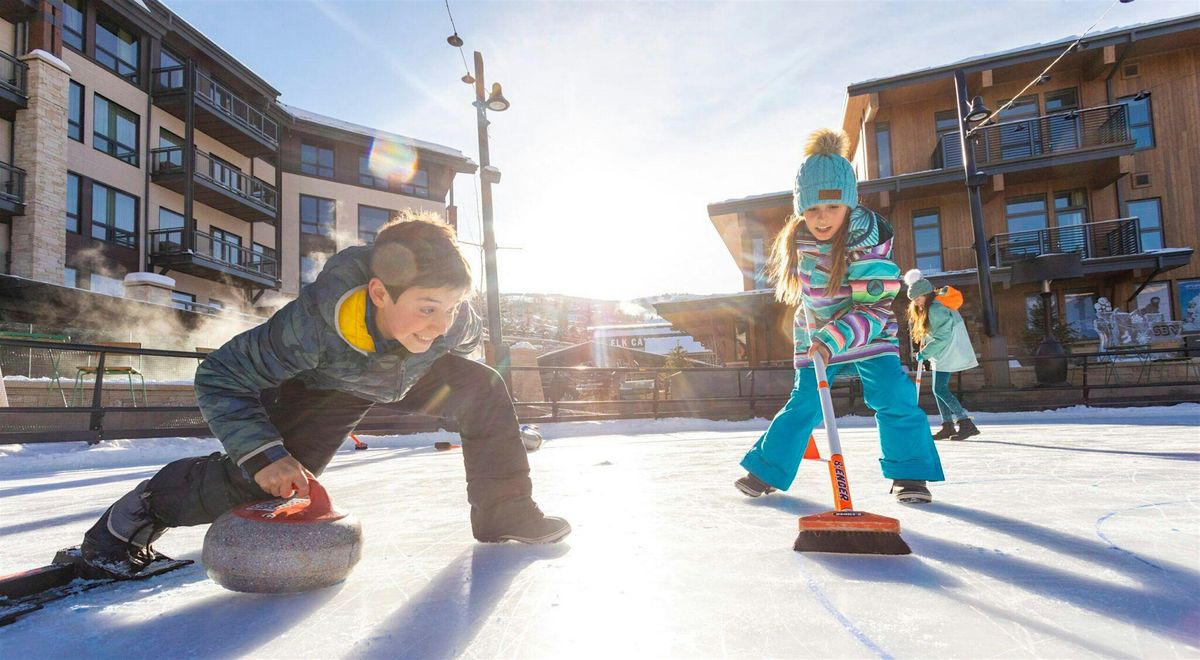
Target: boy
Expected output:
[382,323]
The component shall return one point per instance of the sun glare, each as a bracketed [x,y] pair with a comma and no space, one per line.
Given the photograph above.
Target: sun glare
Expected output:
[388,159]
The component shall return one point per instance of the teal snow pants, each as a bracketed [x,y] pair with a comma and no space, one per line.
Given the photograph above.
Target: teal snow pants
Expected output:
[908,451]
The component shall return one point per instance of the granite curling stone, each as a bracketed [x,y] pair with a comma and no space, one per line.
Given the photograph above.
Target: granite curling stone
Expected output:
[283,545]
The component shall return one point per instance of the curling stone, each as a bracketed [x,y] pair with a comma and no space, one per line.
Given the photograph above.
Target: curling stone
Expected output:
[283,545]
[531,437]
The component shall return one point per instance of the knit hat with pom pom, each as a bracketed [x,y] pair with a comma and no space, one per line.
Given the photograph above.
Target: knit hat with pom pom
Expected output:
[826,177]
[917,284]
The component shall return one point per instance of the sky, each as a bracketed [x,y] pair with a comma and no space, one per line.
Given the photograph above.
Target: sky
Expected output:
[627,119]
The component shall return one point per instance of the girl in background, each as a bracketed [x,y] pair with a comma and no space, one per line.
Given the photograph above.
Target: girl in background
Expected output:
[942,337]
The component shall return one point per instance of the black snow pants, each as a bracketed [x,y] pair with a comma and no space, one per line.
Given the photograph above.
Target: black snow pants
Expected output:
[314,424]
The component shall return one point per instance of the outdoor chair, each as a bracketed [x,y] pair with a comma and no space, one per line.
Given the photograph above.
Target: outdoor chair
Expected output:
[55,358]
[114,363]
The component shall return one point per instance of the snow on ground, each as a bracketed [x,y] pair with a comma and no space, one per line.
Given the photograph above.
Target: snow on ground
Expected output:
[1073,533]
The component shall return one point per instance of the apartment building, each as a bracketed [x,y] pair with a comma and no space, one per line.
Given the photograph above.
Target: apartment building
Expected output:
[1099,158]
[131,143]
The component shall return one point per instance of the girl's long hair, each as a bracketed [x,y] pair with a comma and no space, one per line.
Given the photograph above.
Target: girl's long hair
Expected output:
[918,319]
[782,266]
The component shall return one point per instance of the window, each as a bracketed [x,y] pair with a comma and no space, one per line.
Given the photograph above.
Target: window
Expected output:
[370,219]
[70,277]
[184,301]
[317,215]
[418,186]
[117,48]
[927,240]
[309,269]
[1070,216]
[1034,311]
[262,258]
[1081,313]
[169,155]
[225,173]
[1141,121]
[759,261]
[75,113]
[1026,216]
[73,23]
[366,177]
[171,74]
[945,123]
[73,203]
[883,148]
[1020,139]
[115,131]
[169,236]
[316,160]
[1149,215]
[1064,126]
[110,286]
[114,216]
[225,246]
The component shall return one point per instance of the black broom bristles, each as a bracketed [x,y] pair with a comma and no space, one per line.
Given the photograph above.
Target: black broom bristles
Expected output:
[858,543]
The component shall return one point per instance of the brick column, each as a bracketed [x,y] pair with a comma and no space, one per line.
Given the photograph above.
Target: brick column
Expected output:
[39,240]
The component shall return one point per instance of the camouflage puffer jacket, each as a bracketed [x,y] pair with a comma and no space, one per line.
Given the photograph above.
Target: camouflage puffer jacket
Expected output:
[309,339]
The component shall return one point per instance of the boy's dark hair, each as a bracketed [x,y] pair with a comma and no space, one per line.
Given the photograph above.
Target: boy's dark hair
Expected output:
[416,248]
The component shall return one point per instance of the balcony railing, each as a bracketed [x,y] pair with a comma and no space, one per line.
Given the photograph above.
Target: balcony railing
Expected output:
[169,80]
[169,160]
[1108,238]
[165,242]
[14,75]
[1059,133]
[116,235]
[12,184]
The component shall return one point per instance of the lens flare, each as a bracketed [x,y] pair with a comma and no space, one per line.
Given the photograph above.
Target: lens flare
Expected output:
[389,160]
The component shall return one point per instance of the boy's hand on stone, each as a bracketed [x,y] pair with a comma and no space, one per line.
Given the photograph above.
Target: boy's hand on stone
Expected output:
[283,477]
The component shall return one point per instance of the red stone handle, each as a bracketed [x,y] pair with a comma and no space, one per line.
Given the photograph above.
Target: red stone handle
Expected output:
[318,499]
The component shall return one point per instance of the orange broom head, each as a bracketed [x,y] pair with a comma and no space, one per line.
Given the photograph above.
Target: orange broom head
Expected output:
[850,532]
[849,521]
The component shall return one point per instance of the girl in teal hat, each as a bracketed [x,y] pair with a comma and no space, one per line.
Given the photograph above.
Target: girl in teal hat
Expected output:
[942,337]
[834,257]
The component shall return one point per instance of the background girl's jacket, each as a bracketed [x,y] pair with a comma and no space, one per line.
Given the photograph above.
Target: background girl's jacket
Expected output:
[855,321]
[314,339]
[946,345]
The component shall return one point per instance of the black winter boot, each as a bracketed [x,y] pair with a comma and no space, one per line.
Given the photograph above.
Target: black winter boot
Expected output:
[910,491]
[946,432]
[966,429]
[522,522]
[752,486]
[118,544]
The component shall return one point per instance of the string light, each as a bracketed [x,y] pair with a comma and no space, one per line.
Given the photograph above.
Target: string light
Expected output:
[1044,75]
[457,42]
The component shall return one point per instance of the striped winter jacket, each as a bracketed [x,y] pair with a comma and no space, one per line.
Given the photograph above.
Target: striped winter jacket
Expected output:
[856,322]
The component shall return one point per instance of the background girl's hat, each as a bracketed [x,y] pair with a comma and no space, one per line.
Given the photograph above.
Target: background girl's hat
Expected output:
[826,177]
[917,284]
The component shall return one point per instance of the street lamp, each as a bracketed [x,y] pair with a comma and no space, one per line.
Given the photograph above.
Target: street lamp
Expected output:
[996,369]
[487,176]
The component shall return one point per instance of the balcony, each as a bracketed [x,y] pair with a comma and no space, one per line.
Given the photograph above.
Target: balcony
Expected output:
[16,11]
[1063,138]
[12,190]
[211,258]
[14,81]
[1093,240]
[219,112]
[217,184]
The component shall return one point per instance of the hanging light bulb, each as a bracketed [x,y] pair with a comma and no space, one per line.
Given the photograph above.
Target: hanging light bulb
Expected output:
[496,100]
[455,40]
[469,79]
[978,111]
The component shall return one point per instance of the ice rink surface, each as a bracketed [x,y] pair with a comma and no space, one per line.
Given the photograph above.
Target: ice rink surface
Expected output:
[1073,533]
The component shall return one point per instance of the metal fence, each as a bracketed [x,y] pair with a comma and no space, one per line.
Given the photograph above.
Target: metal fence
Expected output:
[59,391]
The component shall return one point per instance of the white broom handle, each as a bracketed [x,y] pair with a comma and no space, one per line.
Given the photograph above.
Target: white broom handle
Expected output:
[835,444]
[920,368]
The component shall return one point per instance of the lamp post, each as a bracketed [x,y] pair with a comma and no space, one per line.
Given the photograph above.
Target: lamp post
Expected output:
[996,369]
[487,176]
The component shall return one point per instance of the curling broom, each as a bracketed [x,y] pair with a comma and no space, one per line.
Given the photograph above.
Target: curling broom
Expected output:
[843,530]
